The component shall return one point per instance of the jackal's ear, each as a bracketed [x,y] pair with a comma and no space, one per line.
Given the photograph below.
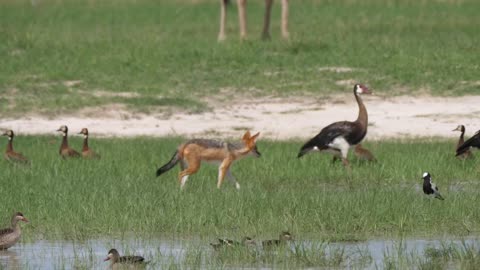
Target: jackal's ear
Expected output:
[254,137]
[246,136]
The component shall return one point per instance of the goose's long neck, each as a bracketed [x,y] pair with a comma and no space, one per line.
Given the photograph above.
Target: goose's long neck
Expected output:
[85,143]
[362,112]
[10,144]
[461,140]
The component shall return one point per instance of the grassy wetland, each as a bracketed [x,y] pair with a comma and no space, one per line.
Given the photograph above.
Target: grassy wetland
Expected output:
[66,57]
[119,197]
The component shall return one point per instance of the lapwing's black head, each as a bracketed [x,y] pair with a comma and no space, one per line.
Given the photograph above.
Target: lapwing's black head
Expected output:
[426,176]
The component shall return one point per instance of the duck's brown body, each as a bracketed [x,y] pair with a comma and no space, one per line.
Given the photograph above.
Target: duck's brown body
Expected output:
[65,150]
[115,258]
[10,154]
[10,236]
[363,153]
[86,151]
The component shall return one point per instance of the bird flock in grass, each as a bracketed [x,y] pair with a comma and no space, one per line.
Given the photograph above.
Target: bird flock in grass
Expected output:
[337,138]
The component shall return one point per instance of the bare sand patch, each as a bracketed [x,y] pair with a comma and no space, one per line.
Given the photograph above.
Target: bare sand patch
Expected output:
[275,118]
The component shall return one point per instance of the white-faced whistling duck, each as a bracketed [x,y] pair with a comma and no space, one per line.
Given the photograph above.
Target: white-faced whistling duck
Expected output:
[114,257]
[466,153]
[65,150]
[338,137]
[10,154]
[283,238]
[10,236]
[429,188]
[86,151]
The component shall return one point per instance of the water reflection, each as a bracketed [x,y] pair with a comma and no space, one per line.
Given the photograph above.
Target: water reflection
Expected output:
[89,254]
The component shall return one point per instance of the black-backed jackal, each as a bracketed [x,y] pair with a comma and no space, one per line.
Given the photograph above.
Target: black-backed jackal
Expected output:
[193,152]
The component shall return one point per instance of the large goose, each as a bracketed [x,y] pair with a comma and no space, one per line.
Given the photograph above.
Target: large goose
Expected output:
[474,141]
[340,136]
[467,154]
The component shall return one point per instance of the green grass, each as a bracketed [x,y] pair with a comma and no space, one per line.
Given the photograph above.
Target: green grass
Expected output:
[167,51]
[310,197]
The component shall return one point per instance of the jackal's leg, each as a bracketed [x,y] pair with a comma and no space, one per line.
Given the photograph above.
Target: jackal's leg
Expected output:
[233,179]
[223,20]
[242,17]
[193,166]
[266,20]
[222,171]
[285,33]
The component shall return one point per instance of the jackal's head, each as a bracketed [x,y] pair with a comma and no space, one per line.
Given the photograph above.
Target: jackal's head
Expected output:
[250,143]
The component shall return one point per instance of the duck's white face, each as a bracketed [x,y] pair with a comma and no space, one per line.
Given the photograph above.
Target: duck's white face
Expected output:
[84,131]
[63,129]
[9,134]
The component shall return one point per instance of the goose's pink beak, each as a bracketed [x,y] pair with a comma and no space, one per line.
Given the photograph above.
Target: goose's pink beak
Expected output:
[106,259]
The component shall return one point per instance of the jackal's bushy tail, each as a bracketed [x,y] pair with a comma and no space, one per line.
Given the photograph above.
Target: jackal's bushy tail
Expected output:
[173,161]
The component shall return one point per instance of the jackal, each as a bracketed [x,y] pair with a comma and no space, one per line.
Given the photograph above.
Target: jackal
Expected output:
[193,152]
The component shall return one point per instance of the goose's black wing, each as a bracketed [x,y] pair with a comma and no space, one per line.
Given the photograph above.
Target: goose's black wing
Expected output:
[328,134]
[474,141]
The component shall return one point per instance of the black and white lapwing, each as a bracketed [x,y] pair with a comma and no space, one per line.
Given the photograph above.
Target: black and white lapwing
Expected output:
[430,188]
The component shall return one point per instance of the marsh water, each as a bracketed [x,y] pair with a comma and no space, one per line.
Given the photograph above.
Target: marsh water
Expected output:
[44,254]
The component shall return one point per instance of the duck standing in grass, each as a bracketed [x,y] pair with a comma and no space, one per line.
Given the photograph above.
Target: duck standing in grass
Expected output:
[429,187]
[467,154]
[283,238]
[86,151]
[10,236]
[10,154]
[115,258]
[65,150]
[474,141]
